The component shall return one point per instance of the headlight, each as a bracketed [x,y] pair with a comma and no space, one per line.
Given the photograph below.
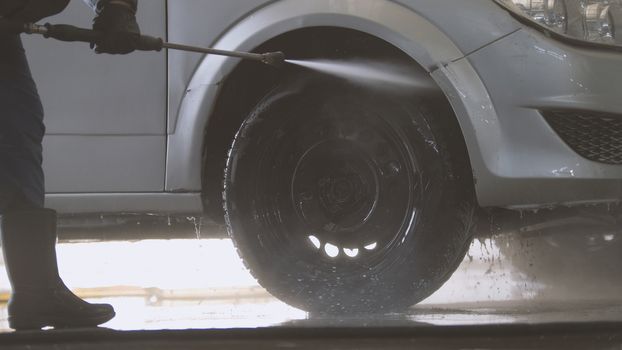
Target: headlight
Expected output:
[592,21]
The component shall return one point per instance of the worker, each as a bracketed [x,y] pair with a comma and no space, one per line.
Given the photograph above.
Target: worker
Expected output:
[28,231]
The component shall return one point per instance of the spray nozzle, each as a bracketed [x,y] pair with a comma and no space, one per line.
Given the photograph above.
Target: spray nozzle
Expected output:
[273,58]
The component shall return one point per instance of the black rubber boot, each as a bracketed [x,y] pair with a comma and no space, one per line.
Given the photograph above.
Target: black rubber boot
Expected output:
[40,298]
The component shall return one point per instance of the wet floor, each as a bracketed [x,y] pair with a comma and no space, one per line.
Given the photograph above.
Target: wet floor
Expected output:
[202,284]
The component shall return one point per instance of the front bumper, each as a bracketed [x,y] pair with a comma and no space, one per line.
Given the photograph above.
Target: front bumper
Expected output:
[519,159]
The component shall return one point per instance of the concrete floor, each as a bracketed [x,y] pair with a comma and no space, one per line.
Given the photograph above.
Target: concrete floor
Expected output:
[549,336]
[202,285]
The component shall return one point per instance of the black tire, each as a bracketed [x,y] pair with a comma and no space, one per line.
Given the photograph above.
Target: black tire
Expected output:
[321,166]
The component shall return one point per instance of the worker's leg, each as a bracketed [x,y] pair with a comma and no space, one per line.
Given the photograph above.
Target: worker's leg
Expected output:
[39,297]
[21,130]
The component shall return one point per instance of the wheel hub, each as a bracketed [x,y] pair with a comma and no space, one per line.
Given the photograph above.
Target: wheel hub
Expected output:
[335,187]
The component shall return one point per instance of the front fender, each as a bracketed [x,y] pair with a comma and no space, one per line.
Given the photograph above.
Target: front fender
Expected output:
[398,24]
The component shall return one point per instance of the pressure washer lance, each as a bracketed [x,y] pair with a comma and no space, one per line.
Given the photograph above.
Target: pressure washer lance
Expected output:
[64,32]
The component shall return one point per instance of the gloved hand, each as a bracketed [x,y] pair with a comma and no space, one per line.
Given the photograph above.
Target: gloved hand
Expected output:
[117,21]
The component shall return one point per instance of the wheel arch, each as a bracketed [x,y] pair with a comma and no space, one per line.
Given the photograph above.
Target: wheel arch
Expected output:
[425,43]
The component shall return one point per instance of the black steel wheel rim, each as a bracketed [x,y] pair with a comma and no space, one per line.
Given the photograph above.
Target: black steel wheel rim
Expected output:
[334,186]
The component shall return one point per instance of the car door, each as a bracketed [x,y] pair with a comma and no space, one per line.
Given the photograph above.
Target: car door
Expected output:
[105,115]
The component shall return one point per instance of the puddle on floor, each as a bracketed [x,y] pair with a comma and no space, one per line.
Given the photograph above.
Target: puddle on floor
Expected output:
[186,283]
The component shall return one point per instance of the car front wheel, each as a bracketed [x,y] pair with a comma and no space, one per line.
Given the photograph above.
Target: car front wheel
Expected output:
[344,200]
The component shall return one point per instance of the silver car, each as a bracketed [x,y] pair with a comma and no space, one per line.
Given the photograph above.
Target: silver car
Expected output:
[344,197]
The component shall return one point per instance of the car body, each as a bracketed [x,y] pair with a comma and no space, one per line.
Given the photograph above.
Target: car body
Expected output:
[133,139]
[149,132]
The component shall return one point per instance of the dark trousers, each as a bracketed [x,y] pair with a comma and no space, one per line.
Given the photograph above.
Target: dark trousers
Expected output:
[21,130]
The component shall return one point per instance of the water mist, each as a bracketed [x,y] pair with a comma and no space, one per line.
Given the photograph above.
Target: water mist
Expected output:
[373,73]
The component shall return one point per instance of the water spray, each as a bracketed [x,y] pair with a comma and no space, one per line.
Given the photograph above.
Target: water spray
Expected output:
[371,73]
[367,72]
